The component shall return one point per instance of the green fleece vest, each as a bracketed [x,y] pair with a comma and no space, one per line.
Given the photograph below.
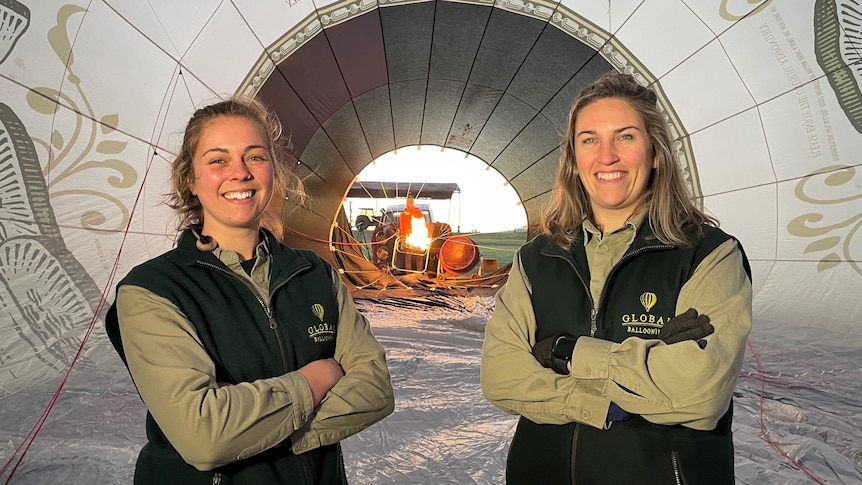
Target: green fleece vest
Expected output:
[247,340]
[639,295]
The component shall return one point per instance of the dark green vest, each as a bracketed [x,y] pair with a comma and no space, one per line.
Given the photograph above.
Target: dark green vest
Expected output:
[640,293]
[247,341]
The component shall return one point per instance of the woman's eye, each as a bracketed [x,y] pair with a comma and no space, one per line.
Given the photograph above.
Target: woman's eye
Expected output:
[216,161]
[587,141]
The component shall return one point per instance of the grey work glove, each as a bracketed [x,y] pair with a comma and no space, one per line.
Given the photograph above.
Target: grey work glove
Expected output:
[687,326]
[542,350]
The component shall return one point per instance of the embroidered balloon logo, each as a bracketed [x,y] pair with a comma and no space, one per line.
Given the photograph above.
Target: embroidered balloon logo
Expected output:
[317,309]
[648,300]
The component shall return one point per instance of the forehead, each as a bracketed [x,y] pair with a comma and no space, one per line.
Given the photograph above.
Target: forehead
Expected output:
[231,122]
[608,112]
[230,130]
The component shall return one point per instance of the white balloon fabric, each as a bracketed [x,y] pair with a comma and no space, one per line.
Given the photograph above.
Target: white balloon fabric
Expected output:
[764,97]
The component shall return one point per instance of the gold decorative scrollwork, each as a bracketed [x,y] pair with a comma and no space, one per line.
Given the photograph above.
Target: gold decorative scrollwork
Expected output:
[726,15]
[807,225]
[83,146]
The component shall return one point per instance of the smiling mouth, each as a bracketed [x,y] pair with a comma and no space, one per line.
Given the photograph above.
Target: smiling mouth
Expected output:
[609,176]
[239,195]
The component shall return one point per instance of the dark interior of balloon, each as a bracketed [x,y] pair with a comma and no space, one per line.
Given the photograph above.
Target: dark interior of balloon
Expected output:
[359,91]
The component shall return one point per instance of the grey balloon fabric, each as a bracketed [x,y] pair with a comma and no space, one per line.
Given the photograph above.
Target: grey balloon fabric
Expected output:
[483,80]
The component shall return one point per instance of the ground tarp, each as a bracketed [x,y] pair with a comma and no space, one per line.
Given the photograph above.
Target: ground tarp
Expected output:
[800,387]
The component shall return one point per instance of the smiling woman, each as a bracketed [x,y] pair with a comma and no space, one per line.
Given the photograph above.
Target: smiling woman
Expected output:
[233,367]
[615,160]
[233,181]
[569,306]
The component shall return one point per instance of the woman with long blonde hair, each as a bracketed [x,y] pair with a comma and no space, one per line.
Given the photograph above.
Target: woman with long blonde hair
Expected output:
[620,332]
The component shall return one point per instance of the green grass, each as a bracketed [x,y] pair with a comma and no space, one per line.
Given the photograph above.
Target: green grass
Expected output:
[500,245]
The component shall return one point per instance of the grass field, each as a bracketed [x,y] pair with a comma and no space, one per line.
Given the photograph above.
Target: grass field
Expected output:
[500,245]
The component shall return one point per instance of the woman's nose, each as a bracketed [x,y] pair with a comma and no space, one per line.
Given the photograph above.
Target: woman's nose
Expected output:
[608,153]
[241,171]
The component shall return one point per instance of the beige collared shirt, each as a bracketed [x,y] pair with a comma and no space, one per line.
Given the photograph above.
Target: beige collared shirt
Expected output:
[259,276]
[605,250]
[211,424]
[695,395]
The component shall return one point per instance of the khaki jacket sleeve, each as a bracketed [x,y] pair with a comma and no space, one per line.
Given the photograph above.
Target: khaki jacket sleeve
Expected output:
[514,381]
[208,425]
[680,383]
[364,395]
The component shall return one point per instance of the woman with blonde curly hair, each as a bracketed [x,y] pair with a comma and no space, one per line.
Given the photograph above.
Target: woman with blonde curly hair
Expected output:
[620,332]
[285,182]
[250,356]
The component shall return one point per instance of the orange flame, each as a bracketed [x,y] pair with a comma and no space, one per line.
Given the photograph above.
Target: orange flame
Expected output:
[418,236]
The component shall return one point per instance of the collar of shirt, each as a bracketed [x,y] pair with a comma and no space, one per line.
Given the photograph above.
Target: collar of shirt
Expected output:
[259,276]
[232,260]
[631,225]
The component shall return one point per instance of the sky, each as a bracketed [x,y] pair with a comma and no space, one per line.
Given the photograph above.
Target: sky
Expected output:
[480,187]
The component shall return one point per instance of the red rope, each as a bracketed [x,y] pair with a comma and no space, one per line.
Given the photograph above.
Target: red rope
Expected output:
[34,432]
[31,436]
[765,434]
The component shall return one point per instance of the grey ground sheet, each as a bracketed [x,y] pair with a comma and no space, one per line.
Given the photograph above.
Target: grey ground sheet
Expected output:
[443,431]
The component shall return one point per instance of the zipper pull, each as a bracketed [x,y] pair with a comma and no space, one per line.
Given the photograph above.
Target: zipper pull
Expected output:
[593,314]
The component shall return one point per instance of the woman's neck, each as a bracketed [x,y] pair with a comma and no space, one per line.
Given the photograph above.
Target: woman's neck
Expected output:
[610,221]
[241,240]
[607,225]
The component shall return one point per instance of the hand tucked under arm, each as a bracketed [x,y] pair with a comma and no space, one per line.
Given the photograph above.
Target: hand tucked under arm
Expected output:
[364,395]
[321,375]
[543,352]
[559,344]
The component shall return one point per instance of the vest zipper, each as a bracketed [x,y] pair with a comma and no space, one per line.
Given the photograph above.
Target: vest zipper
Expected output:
[303,461]
[574,450]
[626,256]
[594,305]
[273,325]
[678,477]
[594,308]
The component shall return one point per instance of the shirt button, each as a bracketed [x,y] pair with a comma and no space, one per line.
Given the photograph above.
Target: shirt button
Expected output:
[587,370]
[586,415]
[259,279]
[604,248]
